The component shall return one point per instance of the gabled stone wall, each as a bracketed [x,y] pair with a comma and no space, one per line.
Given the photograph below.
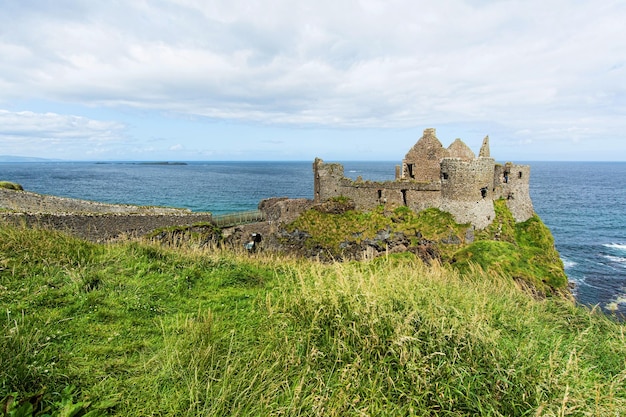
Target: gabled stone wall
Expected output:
[421,163]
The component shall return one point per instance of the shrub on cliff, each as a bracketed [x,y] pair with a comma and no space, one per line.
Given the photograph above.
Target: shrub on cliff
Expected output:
[11,186]
[335,205]
[200,234]
[334,232]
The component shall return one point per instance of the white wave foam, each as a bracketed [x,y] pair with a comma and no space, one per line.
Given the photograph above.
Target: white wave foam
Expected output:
[616,259]
[567,264]
[582,282]
[616,246]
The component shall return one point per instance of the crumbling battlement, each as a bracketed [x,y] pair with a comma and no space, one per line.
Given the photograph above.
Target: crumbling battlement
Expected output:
[452,179]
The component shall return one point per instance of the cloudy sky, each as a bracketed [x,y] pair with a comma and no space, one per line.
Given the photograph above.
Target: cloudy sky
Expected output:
[292,80]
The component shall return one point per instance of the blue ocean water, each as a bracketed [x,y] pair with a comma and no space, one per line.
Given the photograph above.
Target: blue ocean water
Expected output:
[218,187]
[581,202]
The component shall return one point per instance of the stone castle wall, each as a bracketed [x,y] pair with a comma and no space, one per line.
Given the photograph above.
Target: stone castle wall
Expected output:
[467,180]
[452,179]
[467,190]
[511,181]
[330,182]
[421,163]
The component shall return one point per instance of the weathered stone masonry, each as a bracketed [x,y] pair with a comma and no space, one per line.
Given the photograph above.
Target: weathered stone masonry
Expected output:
[452,179]
[89,219]
[102,227]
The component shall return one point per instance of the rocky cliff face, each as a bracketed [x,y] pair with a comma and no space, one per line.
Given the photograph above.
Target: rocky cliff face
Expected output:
[333,230]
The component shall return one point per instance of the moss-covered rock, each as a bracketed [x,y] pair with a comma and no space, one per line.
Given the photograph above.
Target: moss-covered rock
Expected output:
[201,234]
[335,205]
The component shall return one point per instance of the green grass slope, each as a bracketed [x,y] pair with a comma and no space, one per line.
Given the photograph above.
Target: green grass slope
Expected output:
[133,329]
[524,251]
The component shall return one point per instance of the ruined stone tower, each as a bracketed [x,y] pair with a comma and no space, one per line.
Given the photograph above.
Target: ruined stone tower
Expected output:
[452,179]
[421,163]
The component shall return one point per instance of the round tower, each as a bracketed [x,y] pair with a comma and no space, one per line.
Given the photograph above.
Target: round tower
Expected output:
[467,190]
[464,180]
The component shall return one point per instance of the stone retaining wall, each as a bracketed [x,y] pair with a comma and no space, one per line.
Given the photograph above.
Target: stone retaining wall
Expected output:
[28,202]
[103,227]
[95,221]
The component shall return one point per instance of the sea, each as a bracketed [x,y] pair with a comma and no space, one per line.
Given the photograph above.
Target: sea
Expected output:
[583,203]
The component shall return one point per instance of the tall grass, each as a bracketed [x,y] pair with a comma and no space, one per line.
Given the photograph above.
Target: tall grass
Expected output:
[143,330]
[422,340]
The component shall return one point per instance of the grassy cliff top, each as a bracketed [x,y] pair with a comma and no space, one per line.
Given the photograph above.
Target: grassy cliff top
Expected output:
[523,251]
[132,329]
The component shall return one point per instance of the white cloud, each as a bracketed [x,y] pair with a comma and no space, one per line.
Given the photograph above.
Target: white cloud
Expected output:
[547,69]
[51,134]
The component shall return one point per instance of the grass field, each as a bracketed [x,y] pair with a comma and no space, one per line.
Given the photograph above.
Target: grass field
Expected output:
[133,329]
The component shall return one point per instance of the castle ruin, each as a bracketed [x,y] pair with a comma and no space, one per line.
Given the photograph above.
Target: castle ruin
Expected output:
[452,179]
